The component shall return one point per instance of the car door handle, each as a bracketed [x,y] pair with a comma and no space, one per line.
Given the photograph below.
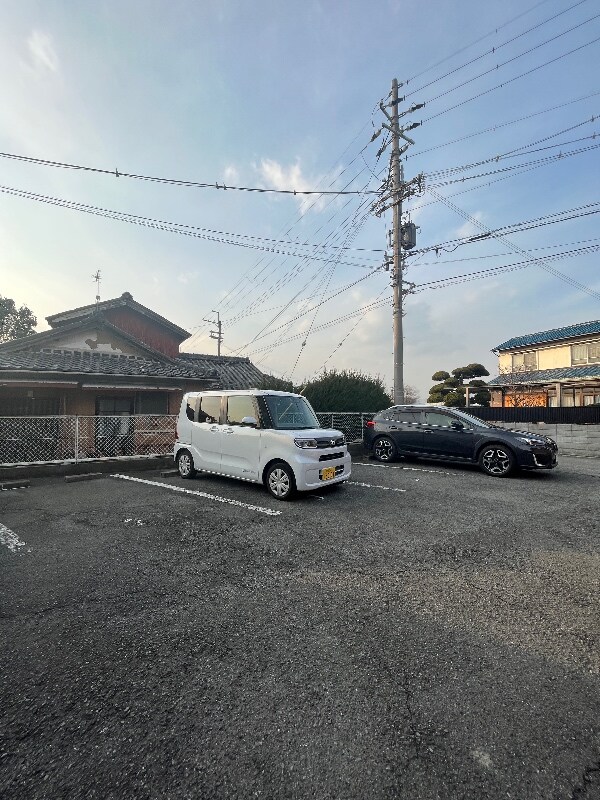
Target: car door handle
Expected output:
[427,431]
[214,429]
[227,430]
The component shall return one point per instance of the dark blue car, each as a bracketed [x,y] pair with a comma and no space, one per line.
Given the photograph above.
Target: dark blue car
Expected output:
[448,434]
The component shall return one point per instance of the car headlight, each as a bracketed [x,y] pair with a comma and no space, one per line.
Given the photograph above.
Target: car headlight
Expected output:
[306,444]
[527,440]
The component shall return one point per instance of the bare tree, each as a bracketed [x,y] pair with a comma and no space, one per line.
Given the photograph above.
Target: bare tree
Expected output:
[519,392]
[411,394]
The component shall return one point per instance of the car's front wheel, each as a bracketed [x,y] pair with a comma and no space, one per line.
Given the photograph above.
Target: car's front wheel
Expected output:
[280,480]
[185,464]
[496,460]
[384,449]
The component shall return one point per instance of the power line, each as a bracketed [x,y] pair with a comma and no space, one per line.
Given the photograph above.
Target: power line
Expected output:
[514,58]
[501,237]
[499,125]
[499,255]
[241,288]
[511,80]
[208,234]
[476,41]
[497,47]
[176,181]
[516,227]
[540,162]
[516,152]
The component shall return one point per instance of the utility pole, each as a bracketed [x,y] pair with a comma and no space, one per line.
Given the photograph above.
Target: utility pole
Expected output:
[397,171]
[404,237]
[216,334]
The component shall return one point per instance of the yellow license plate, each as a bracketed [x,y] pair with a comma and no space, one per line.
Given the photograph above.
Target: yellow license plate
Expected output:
[328,473]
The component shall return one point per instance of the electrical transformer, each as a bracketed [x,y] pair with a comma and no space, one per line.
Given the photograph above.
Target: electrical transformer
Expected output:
[408,236]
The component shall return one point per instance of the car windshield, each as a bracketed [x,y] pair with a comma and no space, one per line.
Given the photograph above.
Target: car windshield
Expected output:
[473,421]
[291,413]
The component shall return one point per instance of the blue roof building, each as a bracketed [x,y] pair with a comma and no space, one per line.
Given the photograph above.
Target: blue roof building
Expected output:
[557,367]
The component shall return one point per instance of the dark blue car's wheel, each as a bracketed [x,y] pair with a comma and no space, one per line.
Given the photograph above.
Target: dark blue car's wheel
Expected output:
[496,460]
[384,449]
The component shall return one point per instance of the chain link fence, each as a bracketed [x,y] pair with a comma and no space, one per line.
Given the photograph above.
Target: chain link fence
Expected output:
[30,440]
[350,423]
[26,440]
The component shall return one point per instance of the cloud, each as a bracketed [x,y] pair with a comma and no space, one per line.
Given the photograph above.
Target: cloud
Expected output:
[42,52]
[277,176]
[231,174]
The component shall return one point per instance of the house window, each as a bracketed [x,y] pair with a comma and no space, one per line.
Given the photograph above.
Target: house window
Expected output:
[114,406]
[588,353]
[27,405]
[524,361]
[152,403]
[568,398]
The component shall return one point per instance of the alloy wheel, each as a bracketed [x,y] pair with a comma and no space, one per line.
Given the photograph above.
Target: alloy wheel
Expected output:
[384,449]
[496,461]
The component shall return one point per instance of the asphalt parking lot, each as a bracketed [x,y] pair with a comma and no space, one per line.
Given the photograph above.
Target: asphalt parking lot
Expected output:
[422,632]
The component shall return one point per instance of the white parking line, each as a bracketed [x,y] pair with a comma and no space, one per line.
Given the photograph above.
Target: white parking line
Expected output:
[408,469]
[373,486]
[10,539]
[216,497]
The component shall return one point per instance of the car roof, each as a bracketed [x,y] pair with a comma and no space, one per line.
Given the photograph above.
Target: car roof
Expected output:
[419,407]
[249,392]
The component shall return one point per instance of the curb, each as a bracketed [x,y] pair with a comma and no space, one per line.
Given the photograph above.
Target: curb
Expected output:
[86,476]
[27,471]
[24,484]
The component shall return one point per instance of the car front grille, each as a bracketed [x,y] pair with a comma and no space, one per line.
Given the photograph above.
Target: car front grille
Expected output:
[330,456]
[324,443]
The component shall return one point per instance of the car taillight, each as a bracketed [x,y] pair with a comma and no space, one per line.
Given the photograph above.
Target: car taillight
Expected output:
[369,424]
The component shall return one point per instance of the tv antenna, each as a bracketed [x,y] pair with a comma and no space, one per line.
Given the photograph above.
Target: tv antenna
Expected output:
[97,278]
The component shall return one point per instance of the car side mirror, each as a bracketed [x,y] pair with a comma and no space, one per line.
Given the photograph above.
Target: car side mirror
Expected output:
[249,421]
[456,425]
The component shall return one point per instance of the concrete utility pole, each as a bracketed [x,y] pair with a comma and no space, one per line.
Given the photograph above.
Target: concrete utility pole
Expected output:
[397,171]
[403,237]
[216,334]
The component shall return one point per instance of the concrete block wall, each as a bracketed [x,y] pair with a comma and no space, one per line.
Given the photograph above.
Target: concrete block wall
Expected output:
[572,440]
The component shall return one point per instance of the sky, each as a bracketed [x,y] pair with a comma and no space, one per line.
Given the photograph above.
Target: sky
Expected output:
[283,95]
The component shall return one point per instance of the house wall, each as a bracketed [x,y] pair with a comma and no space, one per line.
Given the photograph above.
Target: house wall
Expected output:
[572,440]
[553,357]
[548,357]
[96,340]
[145,330]
[75,401]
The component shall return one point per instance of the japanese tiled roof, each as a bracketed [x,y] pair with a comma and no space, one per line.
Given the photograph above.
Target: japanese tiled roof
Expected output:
[554,335]
[548,375]
[126,300]
[234,372]
[92,362]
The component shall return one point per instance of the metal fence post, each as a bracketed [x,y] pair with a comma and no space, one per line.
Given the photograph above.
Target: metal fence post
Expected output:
[76,438]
